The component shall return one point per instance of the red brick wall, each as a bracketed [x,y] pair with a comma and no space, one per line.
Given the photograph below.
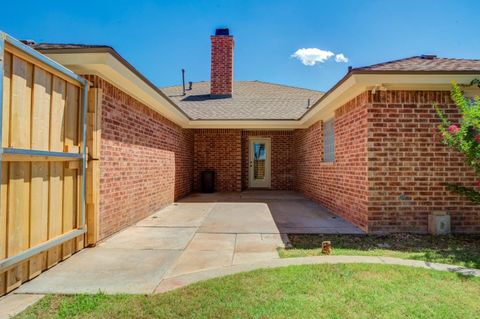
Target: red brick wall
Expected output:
[403,179]
[146,161]
[282,158]
[408,165]
[219,150]
[222,65]
[341,186]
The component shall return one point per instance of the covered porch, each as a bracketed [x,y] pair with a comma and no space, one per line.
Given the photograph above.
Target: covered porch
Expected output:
[265,211]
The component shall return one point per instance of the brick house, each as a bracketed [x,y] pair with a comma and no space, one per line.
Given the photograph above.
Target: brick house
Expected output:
[367,149]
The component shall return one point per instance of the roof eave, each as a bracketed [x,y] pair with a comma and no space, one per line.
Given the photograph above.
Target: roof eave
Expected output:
[358,81]
[117,70]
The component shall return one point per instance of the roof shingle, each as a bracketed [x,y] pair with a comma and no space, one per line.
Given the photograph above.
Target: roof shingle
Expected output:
[425,63]
[251,100]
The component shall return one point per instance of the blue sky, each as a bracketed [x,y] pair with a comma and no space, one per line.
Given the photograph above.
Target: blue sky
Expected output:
[161,37]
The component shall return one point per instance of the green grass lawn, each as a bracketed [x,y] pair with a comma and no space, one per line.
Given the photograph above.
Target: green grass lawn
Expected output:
[462,250]
[310,291]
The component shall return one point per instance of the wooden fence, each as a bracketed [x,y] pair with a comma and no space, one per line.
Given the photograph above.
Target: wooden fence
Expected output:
[42,195]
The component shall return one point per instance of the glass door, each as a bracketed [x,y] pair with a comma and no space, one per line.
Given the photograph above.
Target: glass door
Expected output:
[259,163]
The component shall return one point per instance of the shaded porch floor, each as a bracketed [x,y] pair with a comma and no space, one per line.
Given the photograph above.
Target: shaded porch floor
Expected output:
[265,211]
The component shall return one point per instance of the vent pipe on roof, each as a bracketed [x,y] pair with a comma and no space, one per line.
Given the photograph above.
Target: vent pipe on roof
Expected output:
[183,81]
[29,42]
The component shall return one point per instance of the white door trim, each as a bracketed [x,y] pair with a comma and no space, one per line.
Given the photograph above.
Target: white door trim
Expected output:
[267,181]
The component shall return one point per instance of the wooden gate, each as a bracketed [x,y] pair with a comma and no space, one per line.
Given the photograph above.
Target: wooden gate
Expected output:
[43,162]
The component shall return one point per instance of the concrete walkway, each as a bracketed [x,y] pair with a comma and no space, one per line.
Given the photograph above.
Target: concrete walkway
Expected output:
[175,282]
[201,232]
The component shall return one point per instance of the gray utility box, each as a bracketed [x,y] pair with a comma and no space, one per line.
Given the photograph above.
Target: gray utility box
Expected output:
[439,223]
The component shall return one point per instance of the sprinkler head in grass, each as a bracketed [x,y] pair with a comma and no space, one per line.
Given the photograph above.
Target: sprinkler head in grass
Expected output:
[326,247]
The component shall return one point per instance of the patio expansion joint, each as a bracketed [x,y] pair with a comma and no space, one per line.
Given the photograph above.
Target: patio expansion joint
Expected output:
[155,226]
[234,250]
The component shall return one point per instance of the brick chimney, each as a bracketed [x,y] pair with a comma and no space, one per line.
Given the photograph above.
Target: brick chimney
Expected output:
[221,78]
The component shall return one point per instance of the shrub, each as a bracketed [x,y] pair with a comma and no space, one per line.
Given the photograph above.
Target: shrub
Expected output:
[464,136]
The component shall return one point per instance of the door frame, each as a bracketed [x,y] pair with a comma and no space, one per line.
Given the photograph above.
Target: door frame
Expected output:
[267,182]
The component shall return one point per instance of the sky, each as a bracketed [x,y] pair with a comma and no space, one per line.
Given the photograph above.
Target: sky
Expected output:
[306,44]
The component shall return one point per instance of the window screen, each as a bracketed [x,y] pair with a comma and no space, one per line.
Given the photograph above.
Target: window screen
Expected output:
[328,141]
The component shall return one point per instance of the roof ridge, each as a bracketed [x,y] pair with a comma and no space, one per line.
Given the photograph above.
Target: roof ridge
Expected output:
[172,86]
[284,85]
[251,81]
[463,59]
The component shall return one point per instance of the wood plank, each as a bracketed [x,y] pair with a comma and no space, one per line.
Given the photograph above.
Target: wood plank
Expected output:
[55,210]
[93,201]
[42,90]
[57,124]
[3,283]
[7,83]
[57,136]
[70,175]
[3,225]
[7,78]
[94,130]
[11,49]
[18,208]
[94,121]
[80,240]
[19,173]
[18,215]
[16,275]
[21,103]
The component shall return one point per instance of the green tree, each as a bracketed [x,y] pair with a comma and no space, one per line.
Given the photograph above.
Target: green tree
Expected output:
[464,137]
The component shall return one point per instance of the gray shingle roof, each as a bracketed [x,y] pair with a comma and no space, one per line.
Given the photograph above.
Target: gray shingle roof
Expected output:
[251,100]
[426,63]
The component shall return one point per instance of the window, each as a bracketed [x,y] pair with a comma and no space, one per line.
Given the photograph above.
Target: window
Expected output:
[329,141]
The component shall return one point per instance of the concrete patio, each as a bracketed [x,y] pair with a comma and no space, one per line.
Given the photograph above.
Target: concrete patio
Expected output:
[200,232]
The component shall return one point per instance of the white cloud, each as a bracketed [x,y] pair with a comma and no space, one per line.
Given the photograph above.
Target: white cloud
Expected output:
[311,56]
[341,58]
